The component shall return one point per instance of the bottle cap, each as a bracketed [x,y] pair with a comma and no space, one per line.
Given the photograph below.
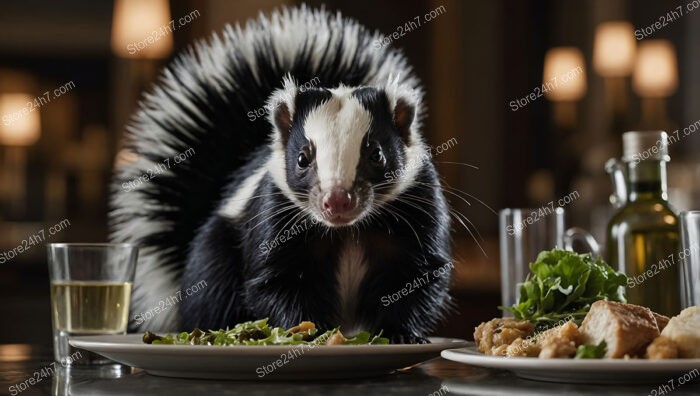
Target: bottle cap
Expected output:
[645,145]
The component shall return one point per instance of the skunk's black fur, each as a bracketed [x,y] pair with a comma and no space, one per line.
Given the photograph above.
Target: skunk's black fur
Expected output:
[202,107]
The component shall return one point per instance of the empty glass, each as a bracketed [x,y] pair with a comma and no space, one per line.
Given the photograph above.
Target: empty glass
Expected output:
[690,258]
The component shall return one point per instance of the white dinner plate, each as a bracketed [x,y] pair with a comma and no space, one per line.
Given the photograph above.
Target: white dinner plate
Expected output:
[262,362]
[607,371]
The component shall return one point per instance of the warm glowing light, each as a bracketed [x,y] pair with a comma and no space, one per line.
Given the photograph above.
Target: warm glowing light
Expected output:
[656,69]
[21,124]
[614,49]
[142,29]
[15,352]
[564,76]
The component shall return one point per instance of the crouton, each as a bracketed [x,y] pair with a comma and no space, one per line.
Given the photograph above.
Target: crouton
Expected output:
[662,348]
[626,328]
[523,348]
[661,320]
[684,330]
[494,336]
[559,342]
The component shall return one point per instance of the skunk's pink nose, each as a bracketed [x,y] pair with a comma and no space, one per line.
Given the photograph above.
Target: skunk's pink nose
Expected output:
[337,201]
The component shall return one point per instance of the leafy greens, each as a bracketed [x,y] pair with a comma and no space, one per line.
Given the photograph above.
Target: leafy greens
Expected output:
[591,351]
[562,285]
[259,333]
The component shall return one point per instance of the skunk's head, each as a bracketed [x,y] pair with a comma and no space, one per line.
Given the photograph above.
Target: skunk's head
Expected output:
[337,152]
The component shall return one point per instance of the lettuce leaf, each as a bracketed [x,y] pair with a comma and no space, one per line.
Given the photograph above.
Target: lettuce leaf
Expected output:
[591,351]
[562,285]
[257,333]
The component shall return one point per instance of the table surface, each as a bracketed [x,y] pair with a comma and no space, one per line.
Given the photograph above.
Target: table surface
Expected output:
[438,377]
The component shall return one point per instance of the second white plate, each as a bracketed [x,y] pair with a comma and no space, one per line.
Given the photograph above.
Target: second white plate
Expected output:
[607,371]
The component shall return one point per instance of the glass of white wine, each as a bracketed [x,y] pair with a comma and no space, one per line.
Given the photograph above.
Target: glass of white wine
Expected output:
[90,294]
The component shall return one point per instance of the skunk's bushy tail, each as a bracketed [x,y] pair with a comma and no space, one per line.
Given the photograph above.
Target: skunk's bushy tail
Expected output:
[203,119]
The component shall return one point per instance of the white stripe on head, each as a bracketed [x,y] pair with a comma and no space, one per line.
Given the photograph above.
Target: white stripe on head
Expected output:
[337,128]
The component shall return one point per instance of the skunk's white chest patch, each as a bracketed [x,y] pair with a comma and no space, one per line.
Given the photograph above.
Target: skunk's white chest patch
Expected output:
[351,271]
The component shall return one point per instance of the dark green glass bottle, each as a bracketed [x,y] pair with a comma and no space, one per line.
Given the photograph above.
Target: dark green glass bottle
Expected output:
[643,237]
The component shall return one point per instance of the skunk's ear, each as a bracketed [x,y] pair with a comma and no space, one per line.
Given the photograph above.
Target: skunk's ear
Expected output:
[404,114]
[281,105]
[283,120]
[403,102]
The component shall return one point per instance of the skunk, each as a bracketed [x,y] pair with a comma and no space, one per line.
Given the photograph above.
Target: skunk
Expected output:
[329,209]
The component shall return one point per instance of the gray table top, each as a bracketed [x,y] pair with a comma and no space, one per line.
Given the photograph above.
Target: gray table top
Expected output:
[437,377]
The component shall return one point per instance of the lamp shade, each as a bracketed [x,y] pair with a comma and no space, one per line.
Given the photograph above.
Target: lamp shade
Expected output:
[614,49]
[20,124]
[655,70]
[142,29]
[564,75]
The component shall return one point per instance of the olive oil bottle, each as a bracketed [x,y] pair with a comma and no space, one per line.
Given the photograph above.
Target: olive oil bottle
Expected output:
[643,236]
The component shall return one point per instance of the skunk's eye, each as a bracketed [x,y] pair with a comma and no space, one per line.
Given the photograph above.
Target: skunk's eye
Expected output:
[303,160]
[377,157]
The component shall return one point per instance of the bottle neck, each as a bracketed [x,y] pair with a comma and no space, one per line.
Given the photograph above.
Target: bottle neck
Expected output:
[647,180]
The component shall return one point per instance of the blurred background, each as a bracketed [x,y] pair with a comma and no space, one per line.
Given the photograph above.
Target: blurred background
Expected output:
[535,94]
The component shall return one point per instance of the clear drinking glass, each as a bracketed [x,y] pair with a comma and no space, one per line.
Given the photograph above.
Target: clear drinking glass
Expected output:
[90,294]
[524,233]
[690,258]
